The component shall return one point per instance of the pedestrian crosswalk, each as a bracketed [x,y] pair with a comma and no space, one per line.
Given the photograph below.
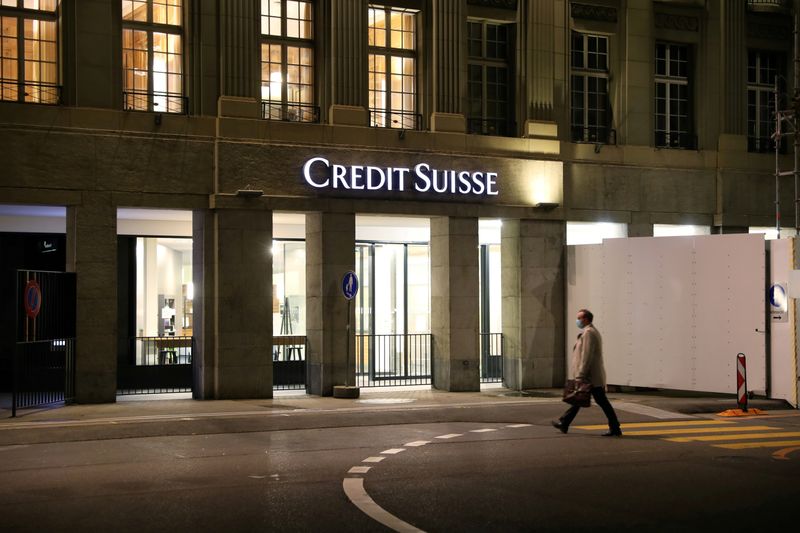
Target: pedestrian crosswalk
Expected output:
[717,433]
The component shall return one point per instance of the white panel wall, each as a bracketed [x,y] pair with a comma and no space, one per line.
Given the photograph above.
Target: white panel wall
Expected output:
[782,382]
[674,311]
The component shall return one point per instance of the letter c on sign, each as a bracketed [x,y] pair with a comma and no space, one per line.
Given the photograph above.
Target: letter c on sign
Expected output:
[307,172]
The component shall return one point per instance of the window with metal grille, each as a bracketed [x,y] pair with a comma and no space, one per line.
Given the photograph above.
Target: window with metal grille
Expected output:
[589,111]
[152,55]
[763,69]
[673,120]
[392,42]
[489,80]
[287,61]
[29,51]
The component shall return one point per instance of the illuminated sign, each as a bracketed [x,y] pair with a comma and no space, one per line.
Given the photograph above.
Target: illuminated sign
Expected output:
[321,174]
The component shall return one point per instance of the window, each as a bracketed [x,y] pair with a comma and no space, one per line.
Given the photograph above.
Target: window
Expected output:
[673,118]
[762,70]
[392,41]
[287,61]
[489,79]
[589,78]
[152,55]
[29,51]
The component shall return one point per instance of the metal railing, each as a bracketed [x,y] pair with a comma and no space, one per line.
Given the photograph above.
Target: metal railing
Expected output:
[581,134]
[491,357]
[30,92]
[155,101]
[289,362]
[769,5]
[290,112]
[488,126]
[396,359]
[675,140]
[161,351]
[43,372]
[403,120]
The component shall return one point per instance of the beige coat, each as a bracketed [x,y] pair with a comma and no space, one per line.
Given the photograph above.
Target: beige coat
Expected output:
[587,357]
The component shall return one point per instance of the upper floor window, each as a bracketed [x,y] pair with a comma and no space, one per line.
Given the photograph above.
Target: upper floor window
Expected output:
[489,79]
[763,69]
[673,97]
[29,51]
[152,55]
[287,61]
[590,109]
[392,42]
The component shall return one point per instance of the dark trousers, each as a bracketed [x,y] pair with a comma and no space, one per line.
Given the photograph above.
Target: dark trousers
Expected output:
[600,398]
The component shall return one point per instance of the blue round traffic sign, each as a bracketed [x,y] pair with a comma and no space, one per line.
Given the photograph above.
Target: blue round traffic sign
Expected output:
[350,285]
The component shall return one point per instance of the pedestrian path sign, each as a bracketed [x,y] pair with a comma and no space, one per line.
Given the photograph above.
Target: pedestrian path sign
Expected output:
[350,285]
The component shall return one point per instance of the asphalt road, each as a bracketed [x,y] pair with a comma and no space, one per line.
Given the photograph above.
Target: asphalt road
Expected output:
[443,468]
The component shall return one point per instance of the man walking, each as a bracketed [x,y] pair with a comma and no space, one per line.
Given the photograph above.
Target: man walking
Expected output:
[587,366]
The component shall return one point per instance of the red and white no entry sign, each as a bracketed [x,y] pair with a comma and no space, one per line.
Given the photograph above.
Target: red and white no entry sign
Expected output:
[32,298]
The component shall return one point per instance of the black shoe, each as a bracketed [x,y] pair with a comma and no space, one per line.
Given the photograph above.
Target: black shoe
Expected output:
[613,433]
[560,426]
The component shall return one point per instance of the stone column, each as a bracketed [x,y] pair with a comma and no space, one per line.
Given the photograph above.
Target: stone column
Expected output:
[635,113]
[330,252]
[640,225]
[93,54]
[238,48]
[533,303]
[734,65]
[92,255]
[235,304]
[346,59]
[204,304]
[449,76]
[455,303]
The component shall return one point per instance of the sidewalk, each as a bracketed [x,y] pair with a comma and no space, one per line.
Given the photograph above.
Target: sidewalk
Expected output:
[181,405]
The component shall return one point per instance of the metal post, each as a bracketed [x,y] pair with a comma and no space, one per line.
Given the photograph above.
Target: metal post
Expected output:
[347,363]
[777,137]
[796,103]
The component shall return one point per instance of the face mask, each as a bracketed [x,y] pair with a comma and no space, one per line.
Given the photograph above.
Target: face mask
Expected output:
[579,323]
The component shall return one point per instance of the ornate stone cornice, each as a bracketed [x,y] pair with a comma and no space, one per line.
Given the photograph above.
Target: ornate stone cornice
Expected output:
[592,12]
[666,21]
[505,4]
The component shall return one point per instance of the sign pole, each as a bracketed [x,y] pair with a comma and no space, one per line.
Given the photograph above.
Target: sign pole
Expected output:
[349,291]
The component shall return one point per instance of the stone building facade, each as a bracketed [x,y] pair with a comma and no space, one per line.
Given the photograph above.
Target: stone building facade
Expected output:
[534,112]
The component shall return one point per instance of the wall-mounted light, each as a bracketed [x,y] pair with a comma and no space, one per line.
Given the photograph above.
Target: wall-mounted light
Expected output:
[249,193]
[546,205]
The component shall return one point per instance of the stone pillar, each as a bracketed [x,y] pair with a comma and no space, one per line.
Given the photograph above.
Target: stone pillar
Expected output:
[235,322]
[640,225]
[204,304]
[93,54]
[239,51]
[533,303]
[330,252]
[636,112]
[455,304]
[734,67]
[539,41]
[448,74]
[92,255]
[346,59]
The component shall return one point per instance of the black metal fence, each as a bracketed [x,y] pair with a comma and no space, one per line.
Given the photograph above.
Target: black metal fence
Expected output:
[155,101]
[388,360]
[492,126]
[290,112]
[491,357]
[43,359]
[157,365]
[289,362]
[43,373]
[154,351]
[30,91]
[403,120]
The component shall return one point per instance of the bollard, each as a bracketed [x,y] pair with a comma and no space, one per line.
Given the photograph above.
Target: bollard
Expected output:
[741,381]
